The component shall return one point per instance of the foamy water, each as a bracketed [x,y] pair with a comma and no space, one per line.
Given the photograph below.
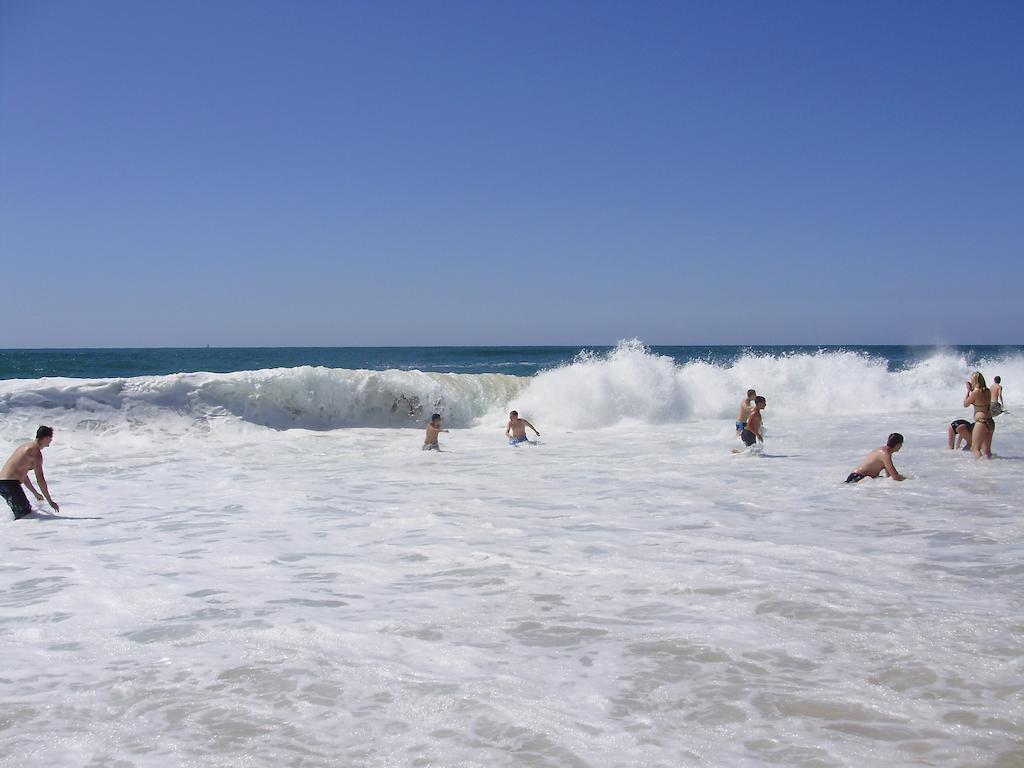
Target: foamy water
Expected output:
[626,596]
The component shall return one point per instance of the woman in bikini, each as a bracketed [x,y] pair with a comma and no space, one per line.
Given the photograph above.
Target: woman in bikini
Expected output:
[980,397]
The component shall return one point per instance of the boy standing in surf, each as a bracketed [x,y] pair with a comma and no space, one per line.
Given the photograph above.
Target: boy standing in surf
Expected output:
[745,406]
[15,472]
[997,396]
[433,430]
[516,429]
[752,427]
[879,459]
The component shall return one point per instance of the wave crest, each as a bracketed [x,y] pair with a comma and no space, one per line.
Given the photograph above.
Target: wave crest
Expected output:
[283,398]
[633,383]
[629,383]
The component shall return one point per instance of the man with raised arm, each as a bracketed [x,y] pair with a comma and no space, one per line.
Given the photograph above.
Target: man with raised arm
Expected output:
[433,430]
[15,472]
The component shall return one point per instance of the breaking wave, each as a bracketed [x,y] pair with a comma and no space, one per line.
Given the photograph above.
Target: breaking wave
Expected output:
[282,398]
[629,383]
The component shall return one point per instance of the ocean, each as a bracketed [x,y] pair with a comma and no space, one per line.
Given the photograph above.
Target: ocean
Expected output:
[256,565]
[516,361]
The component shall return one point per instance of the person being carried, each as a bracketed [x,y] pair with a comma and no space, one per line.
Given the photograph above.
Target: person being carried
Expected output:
[516,429]
[752,428]
[997,396]
[15,472]
[879,459]
[960,431]
[433,430]
[745,406]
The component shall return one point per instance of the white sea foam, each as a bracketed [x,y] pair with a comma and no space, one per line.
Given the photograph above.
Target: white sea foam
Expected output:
[632,383]
[630,596]
[629,383]
[617,597]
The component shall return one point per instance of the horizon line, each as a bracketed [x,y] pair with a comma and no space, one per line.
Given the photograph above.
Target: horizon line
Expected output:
[937,345]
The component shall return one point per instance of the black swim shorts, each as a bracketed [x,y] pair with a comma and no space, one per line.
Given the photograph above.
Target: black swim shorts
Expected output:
[748,437]
[15,497]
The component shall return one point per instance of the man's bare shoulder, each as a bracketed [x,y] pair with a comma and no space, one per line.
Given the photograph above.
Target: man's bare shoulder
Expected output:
[874,455]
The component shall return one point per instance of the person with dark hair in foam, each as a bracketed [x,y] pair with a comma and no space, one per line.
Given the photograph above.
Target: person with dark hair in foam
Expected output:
[879,459]
[433,430]
[27,457]
[960,431]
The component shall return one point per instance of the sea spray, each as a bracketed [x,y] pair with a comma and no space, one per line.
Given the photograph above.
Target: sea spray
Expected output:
[633,383]
[627,383]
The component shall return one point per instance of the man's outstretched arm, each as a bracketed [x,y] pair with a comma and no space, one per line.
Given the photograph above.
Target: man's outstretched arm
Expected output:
[531,427]
[41,479]
[28,483]
[891,468]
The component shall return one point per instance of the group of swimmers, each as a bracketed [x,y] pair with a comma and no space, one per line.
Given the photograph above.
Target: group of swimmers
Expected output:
[515,431]
[976,436]
[749,421]
[29,458]
[750,429]
[988,403]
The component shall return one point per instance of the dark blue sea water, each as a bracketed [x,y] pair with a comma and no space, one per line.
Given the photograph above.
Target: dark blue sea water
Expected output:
[519,361]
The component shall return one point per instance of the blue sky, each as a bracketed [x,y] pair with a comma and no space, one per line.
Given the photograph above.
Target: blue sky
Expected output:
[362,173]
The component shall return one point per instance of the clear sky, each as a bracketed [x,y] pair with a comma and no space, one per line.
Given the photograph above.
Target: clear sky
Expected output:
[420,173]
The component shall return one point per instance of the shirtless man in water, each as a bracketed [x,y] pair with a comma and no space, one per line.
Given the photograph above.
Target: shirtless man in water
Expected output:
[433,430]
[15,472]
[752,427]
[516,429]
[997,396]
[744,414]
[879,459]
